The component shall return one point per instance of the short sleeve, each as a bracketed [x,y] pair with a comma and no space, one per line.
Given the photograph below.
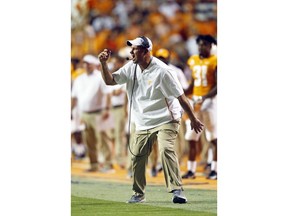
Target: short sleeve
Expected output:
[170,86]
[121,76]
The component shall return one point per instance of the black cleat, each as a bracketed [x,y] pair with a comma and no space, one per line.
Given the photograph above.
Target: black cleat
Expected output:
[212,175]
[189,175]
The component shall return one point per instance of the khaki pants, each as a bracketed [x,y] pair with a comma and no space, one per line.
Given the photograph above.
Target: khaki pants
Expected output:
[165,135]
[119,134]
[181,146]
[94,139]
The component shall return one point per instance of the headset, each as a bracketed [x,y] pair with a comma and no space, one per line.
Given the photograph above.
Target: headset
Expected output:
[145,43]
[149,148]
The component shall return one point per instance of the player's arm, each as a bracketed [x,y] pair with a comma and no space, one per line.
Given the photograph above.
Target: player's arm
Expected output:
[106,75]
[189,90]
[213,90]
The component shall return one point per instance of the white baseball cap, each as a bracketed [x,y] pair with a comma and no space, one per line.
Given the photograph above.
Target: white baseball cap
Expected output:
[91,59]
[141,41]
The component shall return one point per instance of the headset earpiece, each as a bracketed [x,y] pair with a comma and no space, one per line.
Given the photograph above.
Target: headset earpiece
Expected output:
[145,42]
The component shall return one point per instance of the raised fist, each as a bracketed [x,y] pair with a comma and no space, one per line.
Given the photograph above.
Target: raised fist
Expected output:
[104,55]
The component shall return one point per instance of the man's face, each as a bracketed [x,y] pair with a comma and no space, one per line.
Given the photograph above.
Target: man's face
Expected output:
[88,67]
[204,48]
[137,54]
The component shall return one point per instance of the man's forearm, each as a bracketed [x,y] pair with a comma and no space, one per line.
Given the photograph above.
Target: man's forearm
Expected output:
[186,106]
[106,75]
[195,124]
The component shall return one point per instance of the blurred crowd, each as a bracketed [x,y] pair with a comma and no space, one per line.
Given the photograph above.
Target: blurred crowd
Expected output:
[172,25]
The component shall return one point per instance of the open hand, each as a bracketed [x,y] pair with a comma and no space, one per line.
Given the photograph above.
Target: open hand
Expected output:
[196,125]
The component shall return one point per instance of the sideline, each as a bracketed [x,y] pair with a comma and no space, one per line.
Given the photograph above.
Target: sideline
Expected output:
[78,168]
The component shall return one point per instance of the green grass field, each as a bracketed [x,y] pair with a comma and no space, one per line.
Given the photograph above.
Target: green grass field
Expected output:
[91,197]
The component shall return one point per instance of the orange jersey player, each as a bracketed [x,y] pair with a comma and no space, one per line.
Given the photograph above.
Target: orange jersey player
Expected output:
[203,73]
[204,91]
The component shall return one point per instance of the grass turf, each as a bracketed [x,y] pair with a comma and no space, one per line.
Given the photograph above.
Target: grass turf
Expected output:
[82,206]
[99,197]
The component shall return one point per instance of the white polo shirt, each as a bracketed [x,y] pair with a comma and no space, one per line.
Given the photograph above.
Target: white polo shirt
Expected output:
[155,93]
[120,99]
[90,91]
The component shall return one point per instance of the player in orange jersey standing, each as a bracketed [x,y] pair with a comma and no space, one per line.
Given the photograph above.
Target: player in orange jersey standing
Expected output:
[204,93]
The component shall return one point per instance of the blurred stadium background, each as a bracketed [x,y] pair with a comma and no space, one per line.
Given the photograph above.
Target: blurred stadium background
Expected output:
[173,24]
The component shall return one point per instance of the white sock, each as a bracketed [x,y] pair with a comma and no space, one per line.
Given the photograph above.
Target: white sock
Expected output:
[214,166]
[192,165]
[210,156]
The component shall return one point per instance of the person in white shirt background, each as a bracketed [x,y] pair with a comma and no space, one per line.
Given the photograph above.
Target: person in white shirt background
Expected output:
[92,97]
[118,111]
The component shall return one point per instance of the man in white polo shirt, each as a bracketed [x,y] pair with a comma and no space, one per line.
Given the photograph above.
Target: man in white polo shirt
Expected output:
[155,98]
[93,100]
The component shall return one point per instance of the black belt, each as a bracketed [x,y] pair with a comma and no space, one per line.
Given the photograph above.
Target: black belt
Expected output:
[93,111]
[118,106]
[175,121]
